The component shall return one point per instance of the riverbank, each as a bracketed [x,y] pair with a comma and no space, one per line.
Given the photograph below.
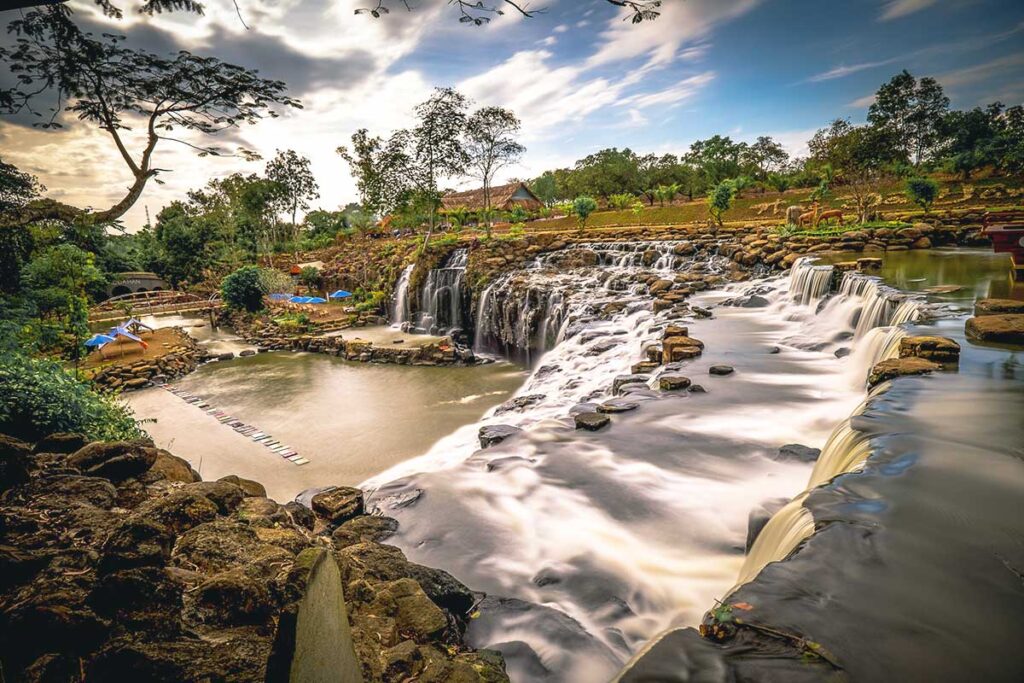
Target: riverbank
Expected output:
[119,562]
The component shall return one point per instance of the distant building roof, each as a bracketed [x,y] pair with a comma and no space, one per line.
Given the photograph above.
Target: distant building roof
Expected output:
[297,268]
[502,197]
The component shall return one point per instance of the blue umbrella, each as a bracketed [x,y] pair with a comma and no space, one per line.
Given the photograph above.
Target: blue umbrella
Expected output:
[340,294]
[99,340]
[279,297]
[316,300]
[298,300]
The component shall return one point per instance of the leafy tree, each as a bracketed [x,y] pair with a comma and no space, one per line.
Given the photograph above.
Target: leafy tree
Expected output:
[38,397]
[184,238]
[296,184]
[17,187]
[741,183]
[491,145]
[437,148]
[717,158]
[112,87]
[244,289]
[922,191]
[621,201]
[59,282]
[778,182]
[607,172]
[910,111]
[720,199]
[380,168]
[858,156]
[311,278]
[666,193]
[583,207]
[546,188]
[993,136]
[325,224]
[764,157]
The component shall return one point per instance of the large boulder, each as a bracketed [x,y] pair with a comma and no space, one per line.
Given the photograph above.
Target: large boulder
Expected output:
[138,542]
[171,468]
[338,505]
[61,442]
[998,307]
[939,349]
[116,461]
[179,510]
[679,348]
[900,367]
[14,462]
[249,487]
[495,434]
[1000,329]
[673,382]
[591,421]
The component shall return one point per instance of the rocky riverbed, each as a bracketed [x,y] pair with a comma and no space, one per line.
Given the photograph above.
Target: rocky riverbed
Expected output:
[118,563]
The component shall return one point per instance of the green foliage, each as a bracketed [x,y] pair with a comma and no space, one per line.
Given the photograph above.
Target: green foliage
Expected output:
[720,199]
[311,277]
[370,301]
[58,282]
[518,215]
[922,191]
[17,187]
[582,207]
[515,231]
[779,182]
[621,201]
[244,289]
[38,397]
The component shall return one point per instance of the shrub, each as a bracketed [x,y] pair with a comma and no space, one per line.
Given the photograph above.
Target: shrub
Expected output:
[720,199]
[516,231]
[583,207]
[922,191]
[621,201]
[39,397]
[244,289]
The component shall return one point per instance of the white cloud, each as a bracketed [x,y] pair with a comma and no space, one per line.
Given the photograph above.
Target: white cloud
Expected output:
[979,73]
[862,102]
[845,70]
[683,90]
[895,9]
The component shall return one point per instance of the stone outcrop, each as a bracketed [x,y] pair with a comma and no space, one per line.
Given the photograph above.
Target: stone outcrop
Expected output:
[999,329]
[900,367]
[178,360]
[117,563]
[938,349]
[998,307]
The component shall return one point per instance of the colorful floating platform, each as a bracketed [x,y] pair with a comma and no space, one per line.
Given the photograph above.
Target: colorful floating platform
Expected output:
[246,430]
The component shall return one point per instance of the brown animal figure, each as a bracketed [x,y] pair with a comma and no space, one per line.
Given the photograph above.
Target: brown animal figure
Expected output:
[809,217]
[828,215]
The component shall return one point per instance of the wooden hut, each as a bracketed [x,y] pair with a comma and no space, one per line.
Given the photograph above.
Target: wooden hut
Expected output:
[503,198]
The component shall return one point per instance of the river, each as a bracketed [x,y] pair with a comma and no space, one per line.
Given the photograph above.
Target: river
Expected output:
[591,544]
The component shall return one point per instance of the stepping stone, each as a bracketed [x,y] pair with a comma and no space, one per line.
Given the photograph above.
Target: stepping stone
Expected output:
[617,405]
[673,382]
[591,421]
[301,461]
[721,370]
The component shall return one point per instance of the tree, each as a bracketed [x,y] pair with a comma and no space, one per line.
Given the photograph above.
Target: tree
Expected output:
[296,184]
[546,188]
[720,199]
[910,111]
[764,157]
[607,172]
[112,87]
[716,158]
[311,278]
[59,282]
[477,13]
[857,155]
[437,149]
[380,168]
[583,207]
[491,145]
[244,289]
[922,191]
[17,187]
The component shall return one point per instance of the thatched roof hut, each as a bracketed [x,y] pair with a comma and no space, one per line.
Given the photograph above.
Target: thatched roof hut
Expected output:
[503,198]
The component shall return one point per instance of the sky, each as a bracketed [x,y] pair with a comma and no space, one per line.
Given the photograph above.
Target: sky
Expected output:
[578,76]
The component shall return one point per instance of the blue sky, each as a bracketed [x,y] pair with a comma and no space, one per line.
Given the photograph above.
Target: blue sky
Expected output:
[579,77]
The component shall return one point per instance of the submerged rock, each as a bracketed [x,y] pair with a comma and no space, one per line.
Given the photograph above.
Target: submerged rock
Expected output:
[721,370]
[797,452]
[495,434]
[591,421]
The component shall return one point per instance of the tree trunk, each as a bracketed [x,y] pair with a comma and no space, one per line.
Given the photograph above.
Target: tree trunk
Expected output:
[122,207]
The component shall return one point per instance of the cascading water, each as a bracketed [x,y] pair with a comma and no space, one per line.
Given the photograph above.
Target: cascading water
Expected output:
[808,282]
[400,312]
[442,298]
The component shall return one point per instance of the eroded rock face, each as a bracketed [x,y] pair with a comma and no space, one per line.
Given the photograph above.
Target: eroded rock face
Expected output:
[115,563]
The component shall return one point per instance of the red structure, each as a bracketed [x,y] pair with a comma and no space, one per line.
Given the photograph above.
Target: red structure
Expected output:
[1006,230]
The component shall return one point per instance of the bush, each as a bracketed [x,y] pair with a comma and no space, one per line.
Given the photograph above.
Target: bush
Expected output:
[621,201]
[720,199]
[583,207]
[922,191]
[39,397]
[244,289]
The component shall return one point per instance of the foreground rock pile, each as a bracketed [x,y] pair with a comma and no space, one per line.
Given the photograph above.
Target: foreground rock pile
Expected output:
[180,359]
[118,564]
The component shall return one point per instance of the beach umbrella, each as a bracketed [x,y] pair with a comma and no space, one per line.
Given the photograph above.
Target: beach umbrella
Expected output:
[298,299]
[340,294]
[98,341]
[316,300]
[279,296]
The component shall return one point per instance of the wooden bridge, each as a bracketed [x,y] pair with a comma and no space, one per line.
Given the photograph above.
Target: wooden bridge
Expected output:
[152,303]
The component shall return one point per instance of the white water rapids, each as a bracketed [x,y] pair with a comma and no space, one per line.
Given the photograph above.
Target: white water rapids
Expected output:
[589,544]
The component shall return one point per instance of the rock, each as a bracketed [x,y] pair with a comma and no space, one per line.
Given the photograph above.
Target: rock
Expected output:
[338,505]
[644,367]
[938,349]
[179,510]
[697,389]
[171,468]
[680,348]
[617,405]
[413,611]
[759,516]
[291,540]
[231,599]
[495,434]
[227,355]
[14,462]
[869,265]
[61,442]
[623,380]
[363,529]
[247,353]
[673,382]
[215,546]
[116,460]
[227,497]
[138,542]
[921,243]
[403,662]
[721,370]
[998,307]
[675,331]
[900,367]
[659,286]
[300,514]
[1002,329]
[259,511]
[521,402]
[798,453]
[591,421]
[250,488]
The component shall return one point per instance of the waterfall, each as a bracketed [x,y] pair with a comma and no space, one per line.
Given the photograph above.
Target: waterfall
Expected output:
[400,308]
[441,300]
[809,283]
[845,451]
